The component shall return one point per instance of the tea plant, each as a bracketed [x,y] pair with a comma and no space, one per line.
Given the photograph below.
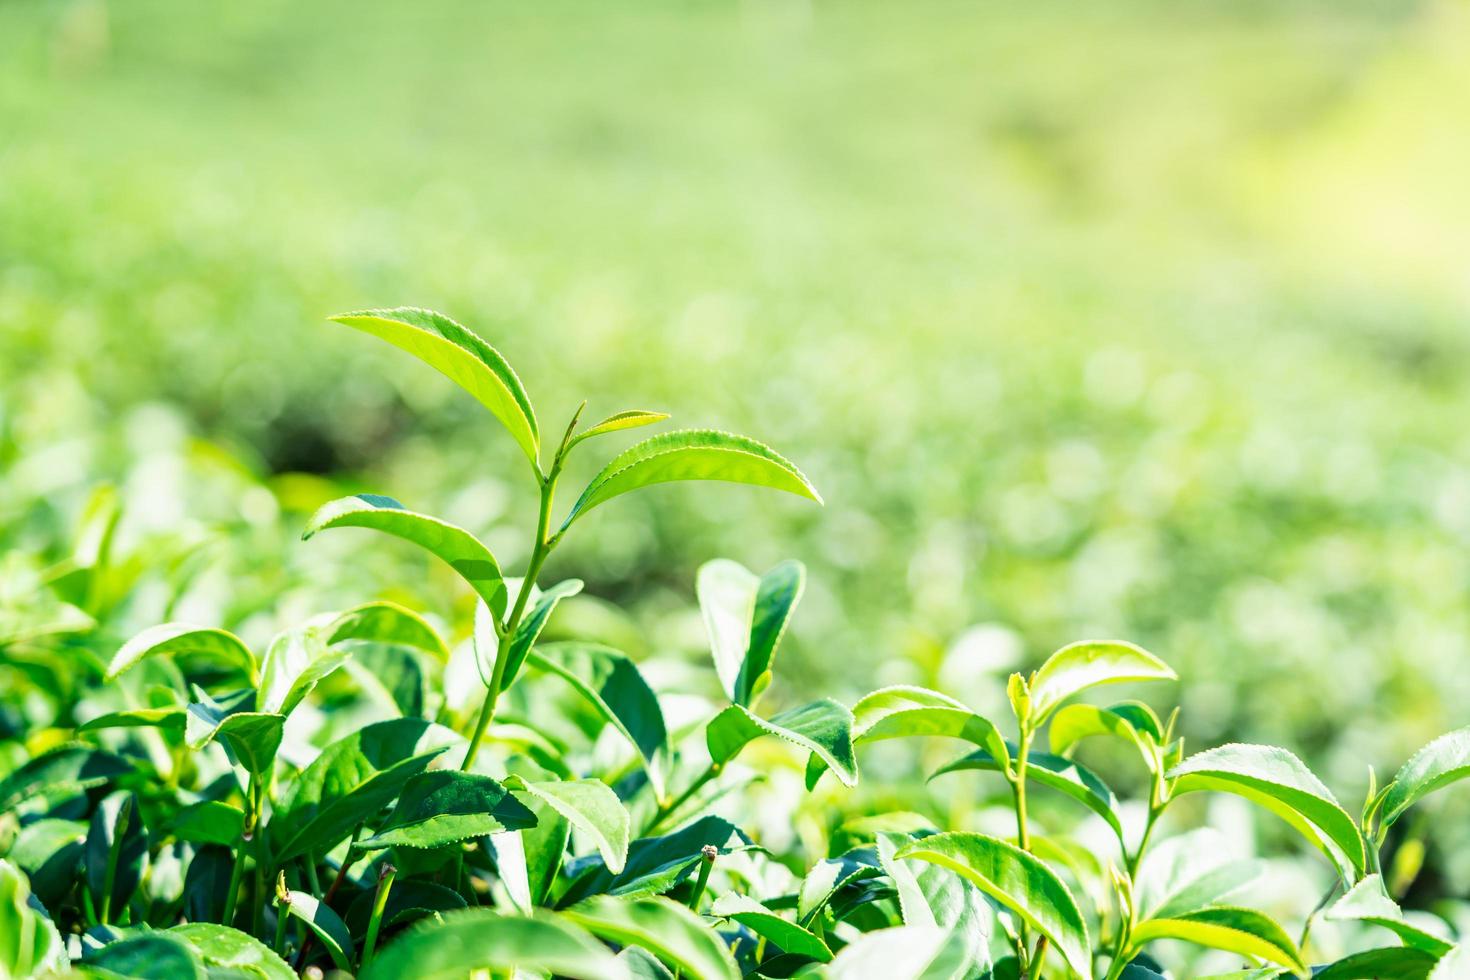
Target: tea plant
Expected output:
[215,810]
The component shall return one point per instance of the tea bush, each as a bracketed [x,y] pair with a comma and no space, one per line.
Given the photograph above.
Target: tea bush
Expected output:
[364,796]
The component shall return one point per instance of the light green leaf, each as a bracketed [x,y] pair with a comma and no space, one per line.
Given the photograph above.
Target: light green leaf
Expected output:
[530,627]
[29,942]
[1278,781]
[49,851]
[593,808]
[1079,666]
[1017,880]
[251,736]
[932,895]
[783,933]
[668,930]
[328,927]
[1391,963]
[1443,761]
[1189,872]
[1368,901]
[1130,721]
[182,640]
[170,718]
[226,949]
[826,877]
[445,806]
[692,454]
[910,712]
[455,546]
[210,822]
[147,956]
[611,683]
[297,660]
[388,622]
[470,942]
[630,419]
[1235,930]
[1454,965]
[901,953]
[823,728]
[351,781]
[1053,772]
[457,353]
[746,617]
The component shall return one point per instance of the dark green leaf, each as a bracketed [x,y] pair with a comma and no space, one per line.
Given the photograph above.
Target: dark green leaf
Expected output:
[476,940]
[828,876]
[458,548]
[657,864]
[150,956]
[50,853]
[461,356]
[1053,772]
[328,927]
[251,736]
[823,728]
[210,822]
[116,820]
[61,772]
[692,454]
[1393,963]
[409,899]
[783,933]
[442,807]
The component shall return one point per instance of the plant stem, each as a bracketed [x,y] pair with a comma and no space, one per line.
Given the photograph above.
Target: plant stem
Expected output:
[666,810]
[283,915]
[380,902]
[1037,958]
[708,854]
[1018,785]
[237,874]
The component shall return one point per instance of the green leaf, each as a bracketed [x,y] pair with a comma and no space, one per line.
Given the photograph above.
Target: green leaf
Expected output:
[1278,781]
[783,933]
[1130,721]
[611,683]
[29,942]
[657,864]
[1368,901]
[1235,930]
[445,806]
[824,880]
[49,851]
[226,949]
[746,616]
[328,927]
[911,712]
[63,771]
[630,419]
[210,822]
[182,640]
[931,895]
[1189,872]
[169,718]
[593,808]
[1443,761]
[352,780]
[149,956]
[115,822]
[297,660]
[462,357]
[410,899]
[1053,772]
[1392,963]
[253,737]
[903,953]
[390,623]
[692,454]
[1017,880]
[1454,965]
[476,940]
[823,728]
[455,546]
[530,627]
[668,930]
[1079,666]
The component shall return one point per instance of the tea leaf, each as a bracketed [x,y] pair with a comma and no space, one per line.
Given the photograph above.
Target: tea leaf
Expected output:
[149,956]
[464,943]
[912,712]
[1368,901]
[455,546]
[611,683]
[30,944]
[64,771]
[1130,721]
[1392,963]
[932,895]
[1454,964]
[823,728]
[225,949]
[328,927]
[297,659]
[692,454]
[657,864]
[1079,666]
[1190,872]
[352,780]
[461,356]
[1278,781]
[1235,930]
[826,877]
[49,851]
[746,617]
[902,953]
[1017,880]
[182,640]
[630,419]
[668,930]
[442,807]
[210,822]
[251,736]
[1053,772]
[534,622]
[593,808]
[783,933]
[1443,761]
[388,622]
[409,900]
[169,719]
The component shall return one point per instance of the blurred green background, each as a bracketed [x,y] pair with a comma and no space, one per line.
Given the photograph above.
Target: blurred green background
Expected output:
[1132,319]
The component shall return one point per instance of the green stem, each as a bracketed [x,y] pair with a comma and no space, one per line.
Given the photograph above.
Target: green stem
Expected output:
[380,902]
[1023,831]
[237,875]
[708,854]
[1037,959]
[114,853]
[666,810]
[283,915]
